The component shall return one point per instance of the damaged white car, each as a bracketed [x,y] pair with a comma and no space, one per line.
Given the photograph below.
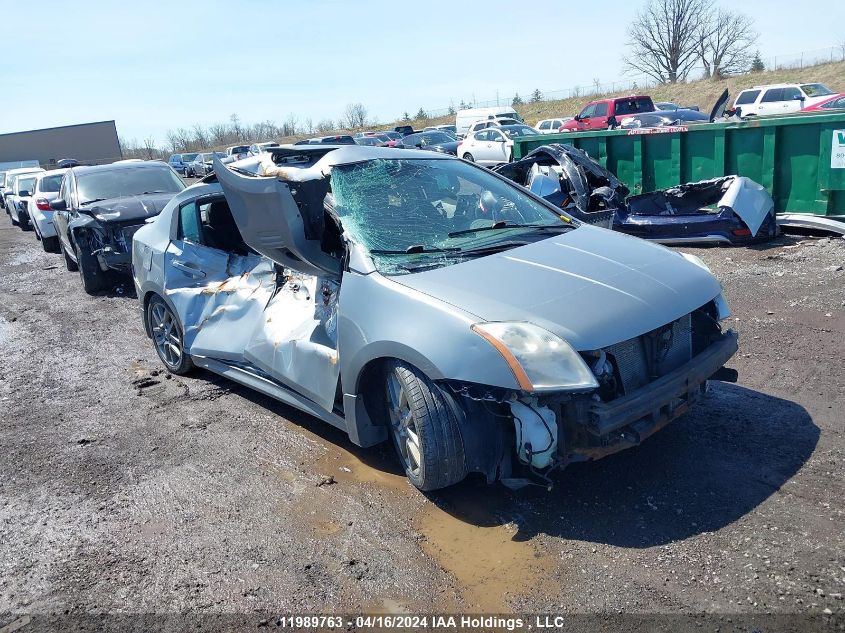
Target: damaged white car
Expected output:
[410,295]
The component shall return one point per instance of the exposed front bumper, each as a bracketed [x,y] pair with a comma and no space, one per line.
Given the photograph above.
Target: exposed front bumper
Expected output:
[628,420]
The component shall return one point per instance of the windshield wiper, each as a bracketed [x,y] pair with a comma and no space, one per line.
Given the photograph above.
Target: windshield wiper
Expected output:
[92,200]
[504,225]
[415,248]
[144,193]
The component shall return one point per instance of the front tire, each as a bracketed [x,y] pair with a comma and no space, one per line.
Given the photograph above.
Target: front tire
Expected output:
[469,157]
[168,337]
[424,425]
[94,279]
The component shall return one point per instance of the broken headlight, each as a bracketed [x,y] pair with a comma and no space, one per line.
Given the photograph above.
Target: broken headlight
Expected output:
[540,360]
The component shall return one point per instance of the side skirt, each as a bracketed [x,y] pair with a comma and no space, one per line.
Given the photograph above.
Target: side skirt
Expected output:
[269,387]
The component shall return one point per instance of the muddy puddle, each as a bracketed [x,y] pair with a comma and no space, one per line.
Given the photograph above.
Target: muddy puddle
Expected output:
[476,536]
[476,533]
[347,467]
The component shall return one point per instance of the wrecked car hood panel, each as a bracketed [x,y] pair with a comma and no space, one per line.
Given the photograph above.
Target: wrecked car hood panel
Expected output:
[591,286]
[750,201]
[129,207]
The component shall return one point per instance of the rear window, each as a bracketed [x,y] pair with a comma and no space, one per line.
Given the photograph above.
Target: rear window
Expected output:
[26,184]
[634,106]
[747,96]
[51,184]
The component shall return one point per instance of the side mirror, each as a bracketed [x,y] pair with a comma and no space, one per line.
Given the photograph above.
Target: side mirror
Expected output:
[798,97]
[419,145]
[58,204]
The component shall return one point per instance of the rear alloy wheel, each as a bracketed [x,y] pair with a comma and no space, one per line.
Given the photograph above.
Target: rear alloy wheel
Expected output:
[71,265]
[469,157]
[424,426]
[94,278]
[167,337]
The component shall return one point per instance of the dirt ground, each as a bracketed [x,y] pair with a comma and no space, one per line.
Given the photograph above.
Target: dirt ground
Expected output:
[127,490]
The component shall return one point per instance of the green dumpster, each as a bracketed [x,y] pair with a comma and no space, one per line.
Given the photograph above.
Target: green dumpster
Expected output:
[800,159]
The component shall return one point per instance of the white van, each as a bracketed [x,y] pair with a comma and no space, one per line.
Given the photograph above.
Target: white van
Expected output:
[465,118]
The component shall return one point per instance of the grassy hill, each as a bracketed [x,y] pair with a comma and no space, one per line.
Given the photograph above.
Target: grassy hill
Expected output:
[702,93]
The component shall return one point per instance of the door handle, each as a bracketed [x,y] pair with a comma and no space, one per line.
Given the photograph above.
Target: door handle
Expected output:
[193,271]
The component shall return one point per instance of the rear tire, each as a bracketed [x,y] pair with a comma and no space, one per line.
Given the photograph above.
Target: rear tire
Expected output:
[424,425]
[469,157]
[71,265]
[23,222]
[94,279]
[167,335]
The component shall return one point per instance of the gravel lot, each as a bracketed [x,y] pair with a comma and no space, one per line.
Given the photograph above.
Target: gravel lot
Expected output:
[124,489]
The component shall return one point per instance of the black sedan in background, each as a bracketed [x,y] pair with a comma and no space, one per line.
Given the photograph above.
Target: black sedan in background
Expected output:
[435,140]
[99,209]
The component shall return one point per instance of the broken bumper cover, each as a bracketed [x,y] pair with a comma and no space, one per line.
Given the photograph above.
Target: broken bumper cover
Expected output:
[635,417]
[112,260]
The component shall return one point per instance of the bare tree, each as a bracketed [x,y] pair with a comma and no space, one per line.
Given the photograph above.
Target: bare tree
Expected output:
[309,125]
[150,148]
[664,39]
[355,115]
[727,43]
[219,133]
[289,127]
[324,125]
[200,136]
[237,130]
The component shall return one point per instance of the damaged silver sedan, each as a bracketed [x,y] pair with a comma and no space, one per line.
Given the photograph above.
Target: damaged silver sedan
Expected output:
[412,296]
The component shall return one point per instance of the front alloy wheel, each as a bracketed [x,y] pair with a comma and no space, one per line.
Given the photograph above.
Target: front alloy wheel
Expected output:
[425,428]
[167,337]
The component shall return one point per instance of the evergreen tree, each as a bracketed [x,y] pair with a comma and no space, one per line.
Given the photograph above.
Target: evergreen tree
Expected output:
[536,96]
[421,115]
[517,100]
[757,65]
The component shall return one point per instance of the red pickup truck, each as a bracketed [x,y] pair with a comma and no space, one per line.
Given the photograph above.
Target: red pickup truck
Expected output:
[605,113]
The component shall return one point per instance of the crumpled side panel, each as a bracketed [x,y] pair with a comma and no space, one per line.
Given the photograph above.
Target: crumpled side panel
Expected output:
[220,317]
[297,340]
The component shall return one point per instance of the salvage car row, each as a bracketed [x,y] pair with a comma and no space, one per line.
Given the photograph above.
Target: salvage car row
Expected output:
[408,296]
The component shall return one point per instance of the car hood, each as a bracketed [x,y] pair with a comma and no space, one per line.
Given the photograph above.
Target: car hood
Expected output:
[591,286]
[128,207]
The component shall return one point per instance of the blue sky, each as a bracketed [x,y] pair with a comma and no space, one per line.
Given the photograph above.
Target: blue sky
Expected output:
[154,66]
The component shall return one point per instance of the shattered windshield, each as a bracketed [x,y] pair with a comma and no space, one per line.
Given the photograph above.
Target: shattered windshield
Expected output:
[419,213]
[116,183]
